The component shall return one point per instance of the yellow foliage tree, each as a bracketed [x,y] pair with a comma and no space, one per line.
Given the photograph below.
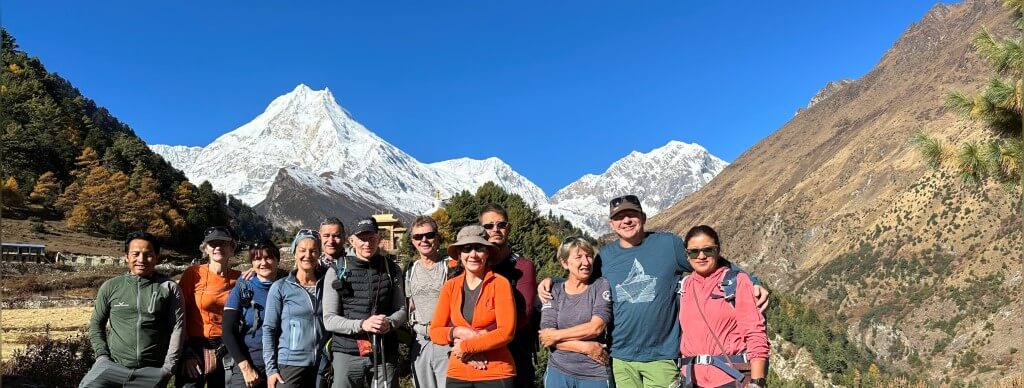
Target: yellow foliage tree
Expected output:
[67,199]
[46,190]
[185,196]
[85,162]
[159,228]
[175,221]
[11,194]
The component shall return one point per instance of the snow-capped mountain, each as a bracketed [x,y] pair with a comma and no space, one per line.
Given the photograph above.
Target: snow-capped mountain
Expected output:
[181,157]
[305,157]
[307,134]
[660,178]
[493,170]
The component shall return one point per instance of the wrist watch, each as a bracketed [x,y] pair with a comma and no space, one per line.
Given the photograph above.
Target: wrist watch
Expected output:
[756,383]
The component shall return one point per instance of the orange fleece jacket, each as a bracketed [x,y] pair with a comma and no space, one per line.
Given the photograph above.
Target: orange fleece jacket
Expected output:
[205,294]
[494,311]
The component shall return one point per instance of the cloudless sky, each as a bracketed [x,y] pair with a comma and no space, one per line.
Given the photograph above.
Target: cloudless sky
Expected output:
[557,89]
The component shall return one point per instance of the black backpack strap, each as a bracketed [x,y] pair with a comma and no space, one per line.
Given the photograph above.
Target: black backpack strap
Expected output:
[728,287]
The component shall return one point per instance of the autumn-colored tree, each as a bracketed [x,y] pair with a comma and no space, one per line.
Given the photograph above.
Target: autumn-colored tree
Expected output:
[100,202]
[144,205]
[175,221]
[11,194]
[46,190]
[184,196]
[85,162]
[444,225]
[159,228]
[66,200]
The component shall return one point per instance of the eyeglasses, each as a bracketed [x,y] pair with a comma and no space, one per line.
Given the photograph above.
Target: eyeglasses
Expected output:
[424,236]
[264,244]
[615,202]
[472,247]
[711,251]
[499,224]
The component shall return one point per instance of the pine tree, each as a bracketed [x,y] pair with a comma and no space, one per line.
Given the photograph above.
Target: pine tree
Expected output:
[999,156]
[46,190]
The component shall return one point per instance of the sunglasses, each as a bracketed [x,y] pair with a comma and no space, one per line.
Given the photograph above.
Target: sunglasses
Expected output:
[615,202]
[472,247]
[711,251]
[424,236]
[499,224]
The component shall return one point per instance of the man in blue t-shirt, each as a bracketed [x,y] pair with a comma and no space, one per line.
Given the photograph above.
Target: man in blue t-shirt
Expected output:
[643,270]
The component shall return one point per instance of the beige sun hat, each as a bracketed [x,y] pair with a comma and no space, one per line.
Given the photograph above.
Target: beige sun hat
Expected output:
[472,234]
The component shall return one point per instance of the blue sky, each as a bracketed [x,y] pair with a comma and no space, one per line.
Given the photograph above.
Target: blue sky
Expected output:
[557,89]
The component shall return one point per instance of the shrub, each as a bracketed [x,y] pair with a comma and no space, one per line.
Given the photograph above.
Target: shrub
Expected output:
[52,362]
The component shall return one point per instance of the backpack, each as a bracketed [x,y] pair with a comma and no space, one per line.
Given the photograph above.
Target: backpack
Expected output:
[727,286]
[245,303]
[403,333]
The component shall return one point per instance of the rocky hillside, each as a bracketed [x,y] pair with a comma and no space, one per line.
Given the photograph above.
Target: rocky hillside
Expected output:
[838,207]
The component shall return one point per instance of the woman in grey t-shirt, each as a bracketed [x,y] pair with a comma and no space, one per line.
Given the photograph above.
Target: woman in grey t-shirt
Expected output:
[573,322]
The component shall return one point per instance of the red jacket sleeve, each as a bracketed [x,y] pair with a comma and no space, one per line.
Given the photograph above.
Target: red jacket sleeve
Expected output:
[749,320]
[527,286]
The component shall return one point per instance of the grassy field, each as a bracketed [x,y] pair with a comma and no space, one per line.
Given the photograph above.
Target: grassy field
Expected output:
[20,324]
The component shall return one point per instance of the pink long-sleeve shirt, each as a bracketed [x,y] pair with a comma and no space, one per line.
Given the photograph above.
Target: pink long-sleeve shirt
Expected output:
[740,328]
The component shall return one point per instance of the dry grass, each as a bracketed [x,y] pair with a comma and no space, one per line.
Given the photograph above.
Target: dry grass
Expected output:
[21,324]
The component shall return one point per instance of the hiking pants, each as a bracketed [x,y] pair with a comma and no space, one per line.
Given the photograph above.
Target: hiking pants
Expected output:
[358,372]
[430,363]
[107,373]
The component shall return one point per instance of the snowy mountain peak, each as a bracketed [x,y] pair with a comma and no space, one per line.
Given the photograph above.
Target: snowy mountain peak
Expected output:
[305,147]
[660,178]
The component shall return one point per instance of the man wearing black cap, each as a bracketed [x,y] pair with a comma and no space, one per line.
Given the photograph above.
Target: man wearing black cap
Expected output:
[643,269]
[363,304]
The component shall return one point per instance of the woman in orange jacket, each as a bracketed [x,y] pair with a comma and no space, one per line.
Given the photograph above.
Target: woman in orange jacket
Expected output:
[476,315]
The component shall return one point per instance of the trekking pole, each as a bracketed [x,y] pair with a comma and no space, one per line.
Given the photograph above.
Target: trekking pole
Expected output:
[373,359]
[384,363]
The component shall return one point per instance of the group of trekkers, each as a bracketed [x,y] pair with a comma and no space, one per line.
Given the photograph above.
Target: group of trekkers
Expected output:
[624,315]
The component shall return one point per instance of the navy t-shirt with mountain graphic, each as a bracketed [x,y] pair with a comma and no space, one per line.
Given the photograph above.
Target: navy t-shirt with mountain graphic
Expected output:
[645,306]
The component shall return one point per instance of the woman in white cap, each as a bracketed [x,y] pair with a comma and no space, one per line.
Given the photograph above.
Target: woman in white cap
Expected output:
[205,289]
[293,330]
[476,315]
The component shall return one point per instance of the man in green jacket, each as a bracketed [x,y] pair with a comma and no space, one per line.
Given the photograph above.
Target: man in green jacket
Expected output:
[146,320]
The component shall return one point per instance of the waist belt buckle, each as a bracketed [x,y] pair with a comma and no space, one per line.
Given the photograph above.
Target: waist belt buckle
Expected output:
[703,359]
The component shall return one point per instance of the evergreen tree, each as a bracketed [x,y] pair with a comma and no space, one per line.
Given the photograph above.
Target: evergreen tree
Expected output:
[46,190]
[1000,156]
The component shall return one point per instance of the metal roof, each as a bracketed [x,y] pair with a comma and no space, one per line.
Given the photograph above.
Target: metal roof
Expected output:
[24,245]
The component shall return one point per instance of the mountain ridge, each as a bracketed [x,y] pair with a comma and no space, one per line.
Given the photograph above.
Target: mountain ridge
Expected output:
[298,131]
[837,206]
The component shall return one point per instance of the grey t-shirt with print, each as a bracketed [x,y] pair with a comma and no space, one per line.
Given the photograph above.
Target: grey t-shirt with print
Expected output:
[565,311]
[423,286]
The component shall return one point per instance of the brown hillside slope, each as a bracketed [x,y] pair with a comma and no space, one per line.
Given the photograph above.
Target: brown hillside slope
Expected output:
[838,206]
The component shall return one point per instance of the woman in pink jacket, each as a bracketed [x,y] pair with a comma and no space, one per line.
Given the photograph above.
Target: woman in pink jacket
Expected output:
[723,342]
